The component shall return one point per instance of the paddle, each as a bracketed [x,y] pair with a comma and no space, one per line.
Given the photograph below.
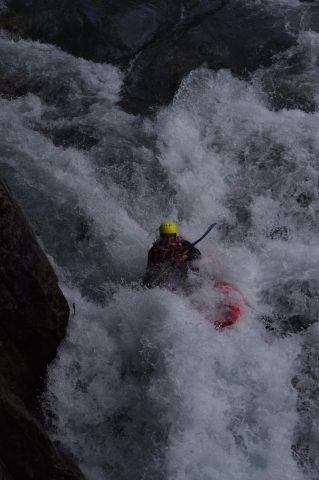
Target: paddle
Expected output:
[200,239]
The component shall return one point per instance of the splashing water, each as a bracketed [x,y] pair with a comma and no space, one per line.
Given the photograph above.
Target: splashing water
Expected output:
[143,386]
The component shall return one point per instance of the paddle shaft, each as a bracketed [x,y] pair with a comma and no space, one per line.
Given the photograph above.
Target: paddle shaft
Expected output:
[201,238]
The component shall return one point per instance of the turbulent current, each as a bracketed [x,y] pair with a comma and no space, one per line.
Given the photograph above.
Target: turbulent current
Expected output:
[144,387]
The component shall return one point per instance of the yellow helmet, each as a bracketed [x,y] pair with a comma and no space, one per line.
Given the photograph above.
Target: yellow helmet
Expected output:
[167,228]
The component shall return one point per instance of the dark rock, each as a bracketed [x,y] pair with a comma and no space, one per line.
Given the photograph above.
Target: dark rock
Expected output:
[33,311]
[233,36]
[4,474]
[160,41]
[26,449]
[116,30]
[63,23]
[140,25]
[33,319]
[15,372]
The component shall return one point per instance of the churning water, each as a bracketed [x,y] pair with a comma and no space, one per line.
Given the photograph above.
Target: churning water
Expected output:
[143,386]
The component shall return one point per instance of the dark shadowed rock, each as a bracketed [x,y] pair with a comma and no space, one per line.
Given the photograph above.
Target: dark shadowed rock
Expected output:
[15,373]
[26,449]
[93,29]
[160,41]
[33,319]
[33,311]
[4,474]
[231,36]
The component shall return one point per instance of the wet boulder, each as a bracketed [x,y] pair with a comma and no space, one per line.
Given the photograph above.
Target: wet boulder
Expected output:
[230,35]
[158,42]
[116,30]
[33,310]
[26,449]
[33,320]
[4,474]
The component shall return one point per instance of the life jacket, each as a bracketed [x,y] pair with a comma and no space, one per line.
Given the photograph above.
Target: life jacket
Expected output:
[162,253]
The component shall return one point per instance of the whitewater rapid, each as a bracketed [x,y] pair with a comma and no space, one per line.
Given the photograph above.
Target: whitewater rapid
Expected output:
[143,386]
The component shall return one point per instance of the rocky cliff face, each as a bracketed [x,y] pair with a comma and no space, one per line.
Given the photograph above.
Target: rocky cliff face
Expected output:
[4,474]
[33,319]
[157,42]
[33,311]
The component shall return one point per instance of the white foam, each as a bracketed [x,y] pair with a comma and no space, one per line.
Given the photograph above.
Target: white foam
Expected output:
[198,400]
[144,386]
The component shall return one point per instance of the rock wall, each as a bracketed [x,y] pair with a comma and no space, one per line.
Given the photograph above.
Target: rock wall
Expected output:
[4,474]
[33,311]
[33,319]
[157,42]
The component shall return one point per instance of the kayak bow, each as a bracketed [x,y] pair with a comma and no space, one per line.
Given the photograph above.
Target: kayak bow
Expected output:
[232,306]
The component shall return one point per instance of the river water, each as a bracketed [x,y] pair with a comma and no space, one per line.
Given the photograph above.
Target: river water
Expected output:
[144,387]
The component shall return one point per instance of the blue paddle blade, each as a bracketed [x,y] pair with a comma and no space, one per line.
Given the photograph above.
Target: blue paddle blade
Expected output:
[201,238]
[210,228]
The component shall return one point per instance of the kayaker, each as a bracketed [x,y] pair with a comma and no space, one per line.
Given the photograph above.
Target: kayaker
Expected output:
[167,261]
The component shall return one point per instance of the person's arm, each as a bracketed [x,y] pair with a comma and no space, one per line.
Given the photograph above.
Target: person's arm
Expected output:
[193,253]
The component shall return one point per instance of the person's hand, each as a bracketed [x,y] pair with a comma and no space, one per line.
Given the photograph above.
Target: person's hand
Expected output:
[181,259]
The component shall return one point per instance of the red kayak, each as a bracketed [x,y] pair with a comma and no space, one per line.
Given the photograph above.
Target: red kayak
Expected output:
[231,306]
